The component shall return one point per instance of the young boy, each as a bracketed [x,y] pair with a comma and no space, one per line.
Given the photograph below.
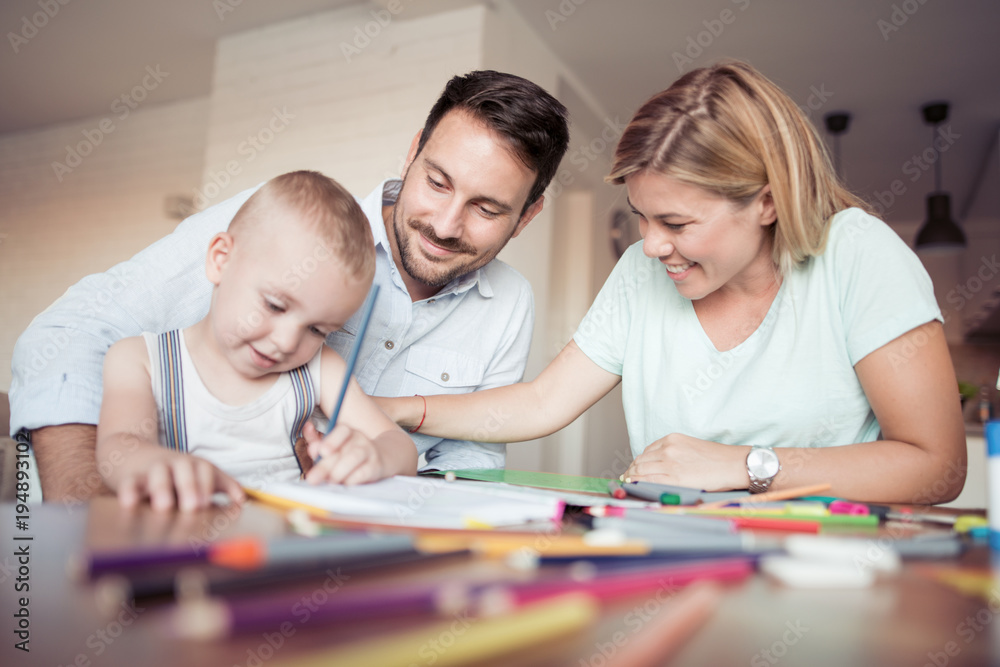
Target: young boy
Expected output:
[190,412]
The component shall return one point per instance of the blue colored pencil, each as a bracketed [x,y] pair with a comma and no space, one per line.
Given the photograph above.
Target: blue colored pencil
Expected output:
[352,358]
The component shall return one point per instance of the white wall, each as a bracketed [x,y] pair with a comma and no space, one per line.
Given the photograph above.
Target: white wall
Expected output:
[52,232]
[350,116]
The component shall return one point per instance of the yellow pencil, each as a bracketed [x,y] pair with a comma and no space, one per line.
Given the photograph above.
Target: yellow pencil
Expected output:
[475,640]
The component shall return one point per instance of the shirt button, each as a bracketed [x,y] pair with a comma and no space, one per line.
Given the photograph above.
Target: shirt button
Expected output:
[445,377]
[389,345]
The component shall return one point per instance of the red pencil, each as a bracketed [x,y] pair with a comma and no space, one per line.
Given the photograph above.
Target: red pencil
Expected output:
[771,523]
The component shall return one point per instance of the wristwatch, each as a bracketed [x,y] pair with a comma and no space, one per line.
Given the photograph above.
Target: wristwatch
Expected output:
[762,466]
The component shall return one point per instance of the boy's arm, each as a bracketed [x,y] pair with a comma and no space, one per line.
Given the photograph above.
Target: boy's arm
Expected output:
[365,445]
[129,455]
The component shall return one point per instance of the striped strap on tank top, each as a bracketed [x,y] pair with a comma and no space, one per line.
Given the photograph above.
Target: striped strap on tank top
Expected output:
[172,390]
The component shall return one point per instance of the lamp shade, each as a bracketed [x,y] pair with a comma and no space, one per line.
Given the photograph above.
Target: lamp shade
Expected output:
[939,231]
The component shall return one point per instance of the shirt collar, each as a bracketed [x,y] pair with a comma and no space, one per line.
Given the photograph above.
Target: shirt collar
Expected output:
[385,195]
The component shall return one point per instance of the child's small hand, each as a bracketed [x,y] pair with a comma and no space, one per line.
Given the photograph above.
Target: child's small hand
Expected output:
[166,476]
[346,456]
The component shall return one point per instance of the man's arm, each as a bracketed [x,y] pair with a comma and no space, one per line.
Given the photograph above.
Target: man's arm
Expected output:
[57,363]
[66,464]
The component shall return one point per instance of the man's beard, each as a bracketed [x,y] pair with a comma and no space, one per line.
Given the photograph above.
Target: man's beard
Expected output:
[426,270]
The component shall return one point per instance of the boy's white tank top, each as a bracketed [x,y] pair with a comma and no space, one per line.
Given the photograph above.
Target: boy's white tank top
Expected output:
[251,442]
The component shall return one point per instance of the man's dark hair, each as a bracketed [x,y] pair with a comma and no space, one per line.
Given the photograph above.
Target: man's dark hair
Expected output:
[532,121]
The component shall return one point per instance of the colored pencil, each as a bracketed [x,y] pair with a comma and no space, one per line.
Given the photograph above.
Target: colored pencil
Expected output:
[609,586]
[209,618]
[693,522]
[662,636]
[482,639]
[661,541]
[352,358]
[248,553]
[786,494]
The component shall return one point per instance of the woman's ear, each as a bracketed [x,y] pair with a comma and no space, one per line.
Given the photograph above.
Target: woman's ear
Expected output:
[220,249]
[768,213]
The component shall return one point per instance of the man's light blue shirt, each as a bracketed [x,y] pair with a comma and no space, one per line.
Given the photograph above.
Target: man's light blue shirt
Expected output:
[474,334]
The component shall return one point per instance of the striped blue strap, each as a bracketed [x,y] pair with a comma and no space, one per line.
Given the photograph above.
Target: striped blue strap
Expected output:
[305,401]
[172,391]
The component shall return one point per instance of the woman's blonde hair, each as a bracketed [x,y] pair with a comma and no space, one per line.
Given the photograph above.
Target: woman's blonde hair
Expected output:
[731,131]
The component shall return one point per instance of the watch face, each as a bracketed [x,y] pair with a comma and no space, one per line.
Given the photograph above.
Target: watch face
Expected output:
[762,463]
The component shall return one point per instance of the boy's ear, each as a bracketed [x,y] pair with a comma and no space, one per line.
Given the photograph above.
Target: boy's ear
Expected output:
[220,250]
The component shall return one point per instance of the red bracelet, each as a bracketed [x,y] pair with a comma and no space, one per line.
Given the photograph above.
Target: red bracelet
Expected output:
[417,427]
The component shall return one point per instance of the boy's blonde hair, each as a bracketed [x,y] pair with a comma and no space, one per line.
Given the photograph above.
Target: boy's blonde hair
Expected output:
[730,131]
[322,204]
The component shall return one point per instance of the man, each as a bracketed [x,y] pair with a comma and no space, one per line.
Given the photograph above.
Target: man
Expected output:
[449,318]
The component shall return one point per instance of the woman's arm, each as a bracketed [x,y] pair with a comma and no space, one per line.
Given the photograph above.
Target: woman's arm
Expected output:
[910,384]
[569,385]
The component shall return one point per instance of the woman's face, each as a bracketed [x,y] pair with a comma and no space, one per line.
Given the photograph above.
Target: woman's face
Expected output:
[705,242]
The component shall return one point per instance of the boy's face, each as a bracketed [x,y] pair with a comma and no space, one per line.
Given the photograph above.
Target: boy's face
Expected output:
[460,203]
[279,292]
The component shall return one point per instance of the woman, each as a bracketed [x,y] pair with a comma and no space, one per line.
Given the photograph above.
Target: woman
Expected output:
[769,332]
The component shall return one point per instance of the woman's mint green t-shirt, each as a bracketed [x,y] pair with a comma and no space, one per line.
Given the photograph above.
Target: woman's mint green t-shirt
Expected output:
[792,382]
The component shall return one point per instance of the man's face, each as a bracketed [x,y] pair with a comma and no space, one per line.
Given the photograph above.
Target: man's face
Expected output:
[460,203]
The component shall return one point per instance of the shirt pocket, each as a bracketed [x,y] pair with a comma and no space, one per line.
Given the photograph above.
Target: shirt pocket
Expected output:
[438,370]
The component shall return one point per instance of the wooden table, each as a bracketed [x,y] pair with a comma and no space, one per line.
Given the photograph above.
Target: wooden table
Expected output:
[907,620]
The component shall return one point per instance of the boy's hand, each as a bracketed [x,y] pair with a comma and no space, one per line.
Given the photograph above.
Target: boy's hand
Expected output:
[166,476]
[346,456]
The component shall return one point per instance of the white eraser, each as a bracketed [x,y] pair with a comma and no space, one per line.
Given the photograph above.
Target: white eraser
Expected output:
[810,573]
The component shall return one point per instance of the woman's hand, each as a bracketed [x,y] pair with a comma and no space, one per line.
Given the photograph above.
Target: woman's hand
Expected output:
[685,461]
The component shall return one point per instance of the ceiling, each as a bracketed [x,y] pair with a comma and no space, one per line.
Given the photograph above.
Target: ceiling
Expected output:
[881,60]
